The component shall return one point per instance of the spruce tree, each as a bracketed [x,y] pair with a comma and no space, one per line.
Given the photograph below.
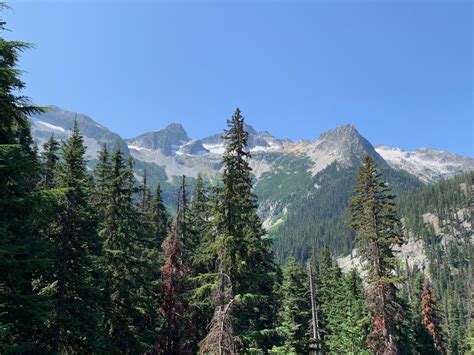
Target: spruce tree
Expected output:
[378,230]
[245,252]
[295,311]
[202,273]
[347,317]
[77,316]
[49,162]
[122,262]
[23,253]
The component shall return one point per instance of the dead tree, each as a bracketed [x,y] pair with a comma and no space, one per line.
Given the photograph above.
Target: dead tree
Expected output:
[316,335]
[220,338]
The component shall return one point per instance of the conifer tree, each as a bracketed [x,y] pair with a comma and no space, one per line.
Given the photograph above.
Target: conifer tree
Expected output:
[220,339]
[246,256]
[103,180]
[122,256]
[23,253]
[199,219]
[430,318]
[295,311]
[49,160]
[347,317]
[202,275]
[159,216]
[173,338]
[77,317]
[153,224]
[377,227]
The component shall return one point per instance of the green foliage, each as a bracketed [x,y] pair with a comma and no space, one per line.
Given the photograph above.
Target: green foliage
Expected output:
[23,251]
[244,253]
[295,311]
[74,290]
[378,230]
[125,271]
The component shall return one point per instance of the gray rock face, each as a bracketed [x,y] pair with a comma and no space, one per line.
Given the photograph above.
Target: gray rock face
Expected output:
[193,147]
[59,122]
[166,140]
[343,145]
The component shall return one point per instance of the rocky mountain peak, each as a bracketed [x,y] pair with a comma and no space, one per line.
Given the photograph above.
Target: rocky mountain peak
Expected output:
[166,140]
[343,145]
[59,122]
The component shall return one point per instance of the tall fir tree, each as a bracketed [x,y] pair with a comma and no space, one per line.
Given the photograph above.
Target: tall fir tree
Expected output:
[378,230]
[23,253]
[122,262]
[295,311]
[49,163]
[245,252]
[77,315]
[202,273]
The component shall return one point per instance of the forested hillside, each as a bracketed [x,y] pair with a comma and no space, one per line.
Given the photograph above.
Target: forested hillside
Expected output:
[319,212]
[442,217]
[92,262]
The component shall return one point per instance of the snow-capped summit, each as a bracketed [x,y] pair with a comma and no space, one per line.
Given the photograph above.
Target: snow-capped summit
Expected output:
[257,141]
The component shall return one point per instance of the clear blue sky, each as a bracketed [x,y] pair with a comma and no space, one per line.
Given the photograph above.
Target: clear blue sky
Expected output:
[400,70]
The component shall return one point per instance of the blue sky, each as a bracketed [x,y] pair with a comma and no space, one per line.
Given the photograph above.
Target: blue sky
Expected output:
[400,71]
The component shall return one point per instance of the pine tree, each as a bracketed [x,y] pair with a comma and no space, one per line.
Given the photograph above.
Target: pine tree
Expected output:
[122,262]
[202,275]
[77,316]
[295,311]
[153,225]
[49,159]
[159,216]
[23,253]
[375,221]
[103,181]
[245,253]
[347,317]
[199,219]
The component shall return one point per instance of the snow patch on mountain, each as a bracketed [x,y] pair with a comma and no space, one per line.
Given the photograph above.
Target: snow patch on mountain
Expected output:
[428,164]
[218,149]
[51,126]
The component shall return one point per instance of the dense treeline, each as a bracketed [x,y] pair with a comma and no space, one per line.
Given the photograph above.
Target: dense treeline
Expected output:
[93,263]
[448,245]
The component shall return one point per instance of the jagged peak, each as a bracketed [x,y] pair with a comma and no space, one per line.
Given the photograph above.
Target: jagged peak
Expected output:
[346,130]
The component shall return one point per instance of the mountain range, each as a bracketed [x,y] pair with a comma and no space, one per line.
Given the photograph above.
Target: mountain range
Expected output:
[288,174]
